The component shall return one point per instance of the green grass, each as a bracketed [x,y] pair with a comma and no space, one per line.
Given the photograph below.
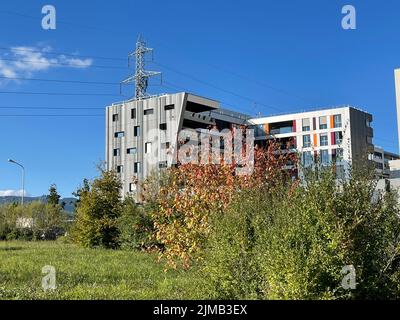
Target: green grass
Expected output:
[90,274]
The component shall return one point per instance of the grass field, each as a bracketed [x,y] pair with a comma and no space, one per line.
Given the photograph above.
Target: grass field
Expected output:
[90,274]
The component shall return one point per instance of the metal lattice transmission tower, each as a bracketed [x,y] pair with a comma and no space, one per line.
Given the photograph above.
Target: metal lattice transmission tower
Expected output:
[141,77]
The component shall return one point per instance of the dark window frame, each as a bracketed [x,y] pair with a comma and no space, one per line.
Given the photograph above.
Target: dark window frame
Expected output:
[136,131]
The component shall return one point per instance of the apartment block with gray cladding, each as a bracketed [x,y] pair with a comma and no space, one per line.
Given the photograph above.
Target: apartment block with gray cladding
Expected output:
[142,135]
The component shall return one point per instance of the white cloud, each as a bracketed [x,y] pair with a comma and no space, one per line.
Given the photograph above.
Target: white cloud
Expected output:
[13,193]
[75,63]
[24,61]
[6,71]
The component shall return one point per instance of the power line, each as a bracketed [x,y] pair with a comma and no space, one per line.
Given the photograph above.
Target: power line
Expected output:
[51,115]
[59,53]
[163,45]
[62,81]
[113,83]
[173,86]
[51,108]
[59,93]
[58,80]
[262,84]
[61,64]
[217,87]
[59,21]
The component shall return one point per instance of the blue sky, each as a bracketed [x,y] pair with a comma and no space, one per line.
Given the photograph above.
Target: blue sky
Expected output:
[274,56]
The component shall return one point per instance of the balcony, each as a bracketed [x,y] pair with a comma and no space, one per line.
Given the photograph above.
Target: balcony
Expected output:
[283,127]
[282,130]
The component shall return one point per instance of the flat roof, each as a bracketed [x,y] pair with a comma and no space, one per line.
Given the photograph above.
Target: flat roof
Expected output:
[191,97]
[310,110]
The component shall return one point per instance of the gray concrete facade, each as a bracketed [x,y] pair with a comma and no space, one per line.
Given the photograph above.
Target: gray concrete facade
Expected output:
[142,135]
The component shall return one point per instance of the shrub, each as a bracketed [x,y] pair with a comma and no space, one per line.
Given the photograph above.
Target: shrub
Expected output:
[292,241]
[193,193]
[32,221]
[135,226]
[98,212]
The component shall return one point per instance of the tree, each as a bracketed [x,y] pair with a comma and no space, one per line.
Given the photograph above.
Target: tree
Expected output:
[81,190]
[98,211]
[33,221]
[192,194]
[53,198]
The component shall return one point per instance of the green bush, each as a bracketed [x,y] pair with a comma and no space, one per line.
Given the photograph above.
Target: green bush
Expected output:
[98,212]
[7,221]
[291,241]
[135,226]
[32,221]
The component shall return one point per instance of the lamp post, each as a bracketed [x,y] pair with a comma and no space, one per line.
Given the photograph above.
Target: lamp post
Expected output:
[23,178]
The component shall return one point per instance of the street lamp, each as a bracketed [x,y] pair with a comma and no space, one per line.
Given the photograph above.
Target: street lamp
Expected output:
[23,178]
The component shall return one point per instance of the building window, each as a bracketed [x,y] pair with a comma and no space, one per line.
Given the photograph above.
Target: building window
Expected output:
[323,140]
[131,151]
[165,145]
[147,147]
[163,126]
[369,140]
[116,152]
[162,164]
[337,121]
[379,165]
[132,187]
[307,159]
[371,156]
[378,155]
[337,155]
[323,123]
[368,123]
[306,141]
[169,107]
[136,167]
[115,117]
[136,131]
[324,155]
[338,137]
[133,113]
[306,124]
[119,134]
[120,169]
[148,112]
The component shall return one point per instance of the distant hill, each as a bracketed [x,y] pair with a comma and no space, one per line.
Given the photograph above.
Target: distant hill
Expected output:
[69,202]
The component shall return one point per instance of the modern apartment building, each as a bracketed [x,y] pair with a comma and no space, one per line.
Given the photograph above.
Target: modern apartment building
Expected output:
[142,134]
[341,135]
[382,159]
